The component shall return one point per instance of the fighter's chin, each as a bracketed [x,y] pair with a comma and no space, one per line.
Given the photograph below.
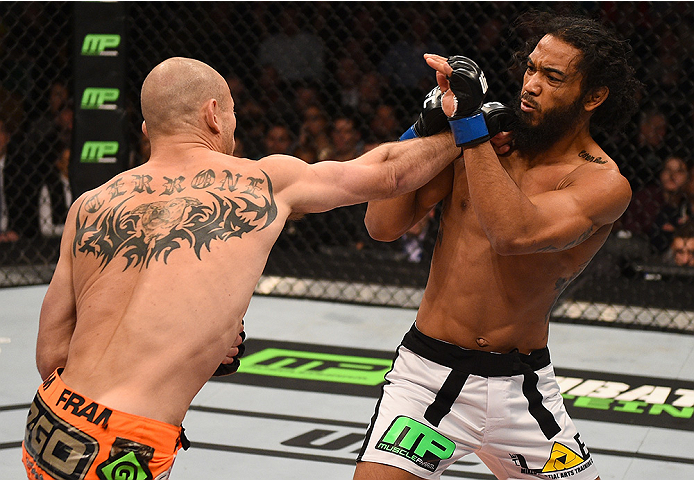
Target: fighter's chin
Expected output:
[531,117]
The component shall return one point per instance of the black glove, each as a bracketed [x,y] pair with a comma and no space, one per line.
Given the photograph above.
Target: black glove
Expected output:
[431,120]
[229,368]
[469,86]
[499,118]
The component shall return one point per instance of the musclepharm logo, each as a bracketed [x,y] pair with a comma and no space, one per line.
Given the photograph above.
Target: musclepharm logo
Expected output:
[100,98]
[278,362]
[99,152]
[417,442]
[101,44]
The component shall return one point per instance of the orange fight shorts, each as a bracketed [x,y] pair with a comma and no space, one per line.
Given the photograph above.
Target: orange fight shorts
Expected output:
[70,437]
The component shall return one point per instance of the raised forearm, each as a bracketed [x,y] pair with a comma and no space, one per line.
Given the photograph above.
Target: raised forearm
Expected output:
[503,211]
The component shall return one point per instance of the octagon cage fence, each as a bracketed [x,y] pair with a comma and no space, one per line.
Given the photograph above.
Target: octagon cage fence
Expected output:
[329,80]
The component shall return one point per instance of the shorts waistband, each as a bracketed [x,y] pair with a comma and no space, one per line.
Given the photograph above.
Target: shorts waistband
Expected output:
[475,362]
[86,414]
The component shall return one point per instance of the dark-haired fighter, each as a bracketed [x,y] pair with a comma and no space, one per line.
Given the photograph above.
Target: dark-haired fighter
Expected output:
[473,375]
[157,268]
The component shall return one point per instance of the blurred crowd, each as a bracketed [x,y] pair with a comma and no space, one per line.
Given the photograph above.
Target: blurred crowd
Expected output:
[322,80]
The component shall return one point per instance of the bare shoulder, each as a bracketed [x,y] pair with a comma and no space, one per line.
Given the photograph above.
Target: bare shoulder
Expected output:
[603,184]
[283,170]
[602,171]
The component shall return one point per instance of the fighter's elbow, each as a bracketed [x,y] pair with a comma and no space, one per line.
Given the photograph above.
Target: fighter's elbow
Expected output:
[380,229]
[394,182]
[508,244]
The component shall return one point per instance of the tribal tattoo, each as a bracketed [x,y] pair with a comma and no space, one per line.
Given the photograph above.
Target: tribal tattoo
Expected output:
[153,230]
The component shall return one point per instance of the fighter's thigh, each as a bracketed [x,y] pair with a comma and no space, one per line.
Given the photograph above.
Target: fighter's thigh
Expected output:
[402,434]
[377,471]
[518,447]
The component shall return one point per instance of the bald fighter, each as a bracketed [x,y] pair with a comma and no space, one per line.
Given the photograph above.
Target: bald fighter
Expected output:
[473,375]
[157,268]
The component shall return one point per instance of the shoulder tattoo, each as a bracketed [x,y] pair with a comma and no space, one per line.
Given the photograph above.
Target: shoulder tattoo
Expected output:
[587,156]
[151,231]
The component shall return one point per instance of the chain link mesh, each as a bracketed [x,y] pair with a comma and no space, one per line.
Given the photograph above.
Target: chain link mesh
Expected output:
[330,80]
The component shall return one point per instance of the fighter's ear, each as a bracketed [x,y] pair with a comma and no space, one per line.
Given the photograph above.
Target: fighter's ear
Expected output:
[211,109]
[595,98]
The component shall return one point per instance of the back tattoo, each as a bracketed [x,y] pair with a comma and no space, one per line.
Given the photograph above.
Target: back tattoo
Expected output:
[155,229]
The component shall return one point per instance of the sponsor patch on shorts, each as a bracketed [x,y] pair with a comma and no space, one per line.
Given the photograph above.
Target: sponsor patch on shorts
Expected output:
[126,465]
[416,442]
[60,449]
[563,462]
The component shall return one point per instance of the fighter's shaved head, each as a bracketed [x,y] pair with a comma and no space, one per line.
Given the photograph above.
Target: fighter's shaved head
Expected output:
[174,91]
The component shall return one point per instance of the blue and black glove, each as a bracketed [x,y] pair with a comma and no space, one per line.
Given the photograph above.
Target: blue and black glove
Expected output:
[431,120]
[473,121]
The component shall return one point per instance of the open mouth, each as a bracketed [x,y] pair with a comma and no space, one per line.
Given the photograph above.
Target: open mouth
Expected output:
[527,106]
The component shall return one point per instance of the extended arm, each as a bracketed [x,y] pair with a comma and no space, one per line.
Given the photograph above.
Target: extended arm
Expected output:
[389,170]
[58,314]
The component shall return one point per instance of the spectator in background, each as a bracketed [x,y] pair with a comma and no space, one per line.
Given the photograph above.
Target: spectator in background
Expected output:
[372,93]
[6,233]
[30,163]
[296,54]
[383,127]
[681,252]
[689,193]
[407,73]
[651,147]
[55,198]
[657,209]
[348,76]
[673,211]
[45,125]
[274,95]
[314,137]
[414,241]
[251,130]
[278,139]
[346,139]
[305,96]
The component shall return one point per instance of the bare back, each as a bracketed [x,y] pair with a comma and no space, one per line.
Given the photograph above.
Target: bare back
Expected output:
[165,259]
[480,299]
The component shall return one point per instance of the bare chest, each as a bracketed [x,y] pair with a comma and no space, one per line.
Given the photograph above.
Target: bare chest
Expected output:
[530,181]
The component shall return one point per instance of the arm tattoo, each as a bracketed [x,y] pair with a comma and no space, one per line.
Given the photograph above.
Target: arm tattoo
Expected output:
[155,229]
[571,244]
[564,282]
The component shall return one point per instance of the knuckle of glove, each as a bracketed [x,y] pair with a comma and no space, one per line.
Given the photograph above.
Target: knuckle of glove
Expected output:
[499,117]
[468,83]
[229,368]
[432,119]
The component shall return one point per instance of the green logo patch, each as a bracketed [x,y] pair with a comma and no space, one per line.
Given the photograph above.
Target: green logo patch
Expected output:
[100,44]
[99,98]
[99,152]
[125,466]
[417,442]
[279,362]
